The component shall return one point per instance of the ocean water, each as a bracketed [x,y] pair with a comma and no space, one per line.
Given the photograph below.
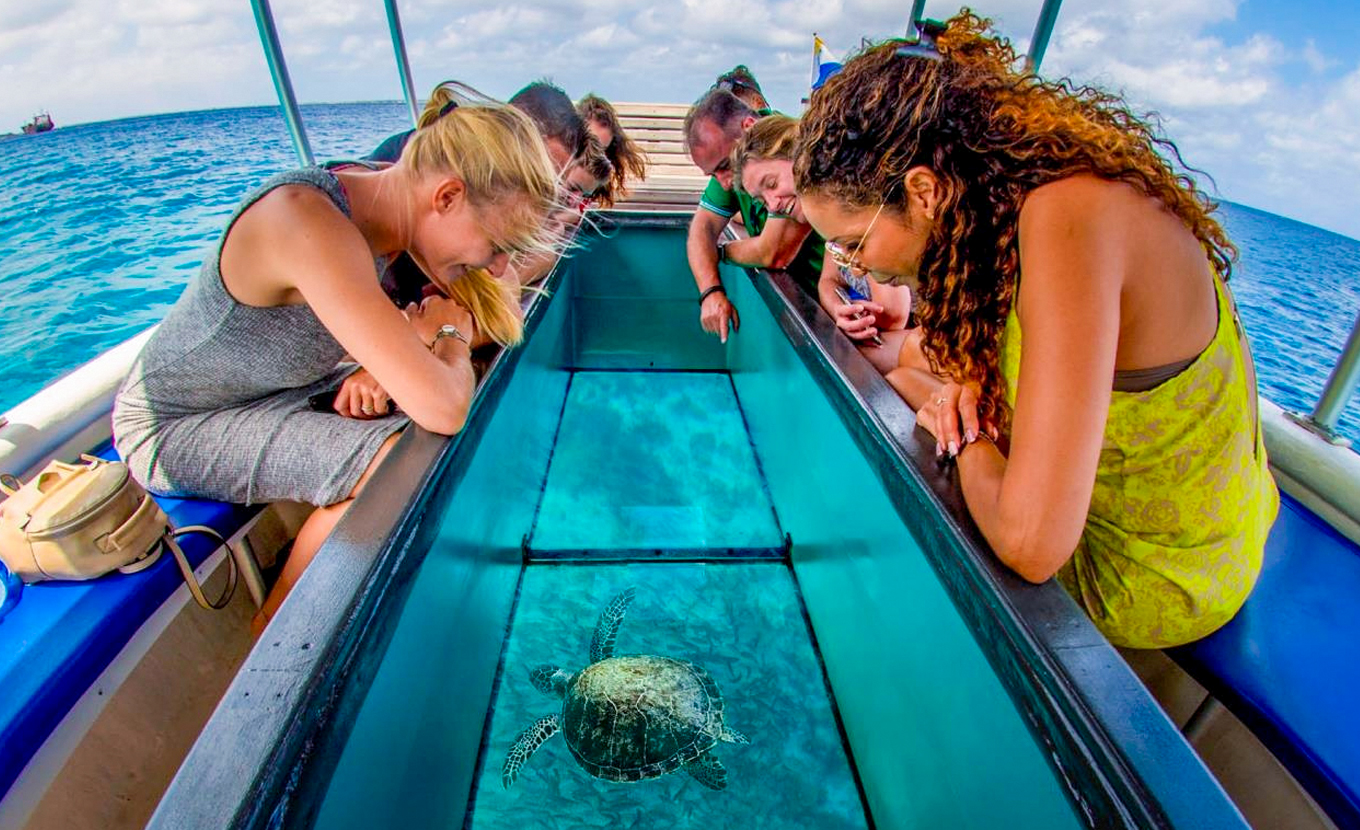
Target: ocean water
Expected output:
[102,224]
[742,624]
[624,475]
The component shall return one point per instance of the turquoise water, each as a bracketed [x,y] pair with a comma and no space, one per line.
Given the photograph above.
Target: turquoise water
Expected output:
[653,460]
[102,224]
[743,624]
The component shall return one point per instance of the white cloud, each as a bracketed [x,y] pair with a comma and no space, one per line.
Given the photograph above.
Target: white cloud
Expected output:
[1265,141]
[1316,61]
[1228,104]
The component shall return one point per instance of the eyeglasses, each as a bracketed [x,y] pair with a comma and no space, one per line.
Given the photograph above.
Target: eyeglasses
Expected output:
[844,258]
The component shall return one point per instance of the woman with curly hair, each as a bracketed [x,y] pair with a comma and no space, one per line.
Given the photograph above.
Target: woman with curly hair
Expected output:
[1072,285]
[603,122]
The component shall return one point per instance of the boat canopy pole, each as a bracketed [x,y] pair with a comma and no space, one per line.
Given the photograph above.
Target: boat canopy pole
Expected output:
[1338,391]
[403,65]
[918,8]
[269,37]
[1038,44]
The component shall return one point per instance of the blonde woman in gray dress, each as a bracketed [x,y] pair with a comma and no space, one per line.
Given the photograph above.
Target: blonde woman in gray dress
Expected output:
[216,405]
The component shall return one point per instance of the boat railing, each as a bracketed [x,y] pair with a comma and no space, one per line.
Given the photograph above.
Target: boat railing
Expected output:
[283,84]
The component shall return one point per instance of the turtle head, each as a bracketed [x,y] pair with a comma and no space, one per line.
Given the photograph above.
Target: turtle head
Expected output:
[550,680]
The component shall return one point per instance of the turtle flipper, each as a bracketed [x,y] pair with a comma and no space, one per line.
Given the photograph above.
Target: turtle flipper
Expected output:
[528,741]
[607,629]
[709,771]
[732,736]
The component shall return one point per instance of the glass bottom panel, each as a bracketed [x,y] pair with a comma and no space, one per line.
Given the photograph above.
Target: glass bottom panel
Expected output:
[653,460]
[743,625]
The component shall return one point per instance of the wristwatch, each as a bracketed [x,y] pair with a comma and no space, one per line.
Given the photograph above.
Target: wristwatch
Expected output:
[722,249]
[448,330]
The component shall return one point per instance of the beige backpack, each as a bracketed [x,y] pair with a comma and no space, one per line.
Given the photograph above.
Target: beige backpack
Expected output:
[81,521]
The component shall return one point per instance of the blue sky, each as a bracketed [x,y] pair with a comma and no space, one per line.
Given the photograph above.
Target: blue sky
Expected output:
[1262,95]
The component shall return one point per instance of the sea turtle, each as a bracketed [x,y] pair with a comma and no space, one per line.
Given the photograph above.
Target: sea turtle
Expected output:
[630,718]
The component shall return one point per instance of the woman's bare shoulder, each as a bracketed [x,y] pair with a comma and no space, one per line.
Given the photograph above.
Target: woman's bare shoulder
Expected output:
[291,224]
[1083,194]
[294,205]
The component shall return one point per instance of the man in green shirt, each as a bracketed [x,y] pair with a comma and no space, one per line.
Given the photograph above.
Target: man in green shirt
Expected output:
[712,128]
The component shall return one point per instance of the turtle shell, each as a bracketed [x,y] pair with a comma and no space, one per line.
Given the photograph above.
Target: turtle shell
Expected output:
[640,717]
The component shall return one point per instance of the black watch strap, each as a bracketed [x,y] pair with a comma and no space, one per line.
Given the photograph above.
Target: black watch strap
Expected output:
[710,290]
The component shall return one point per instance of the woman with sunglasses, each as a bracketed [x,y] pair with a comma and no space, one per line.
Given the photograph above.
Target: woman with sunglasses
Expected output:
[1072,284]
[217,404]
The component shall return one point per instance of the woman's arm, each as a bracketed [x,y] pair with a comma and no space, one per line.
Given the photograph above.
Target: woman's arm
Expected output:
[776,246]
[1032,505]
[296,245]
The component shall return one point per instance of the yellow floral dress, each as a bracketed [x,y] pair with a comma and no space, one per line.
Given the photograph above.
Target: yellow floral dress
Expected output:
[1183,498]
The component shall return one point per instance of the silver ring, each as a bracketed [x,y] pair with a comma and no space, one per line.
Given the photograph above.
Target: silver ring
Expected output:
[366,409]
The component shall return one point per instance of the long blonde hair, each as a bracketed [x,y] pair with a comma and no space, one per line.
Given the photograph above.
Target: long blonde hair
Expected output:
[498,154]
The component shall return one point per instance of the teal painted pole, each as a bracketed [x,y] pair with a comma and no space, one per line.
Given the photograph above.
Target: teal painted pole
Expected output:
[403,65]
[1038,44]
[269,37]
[1340,386]
[918,8]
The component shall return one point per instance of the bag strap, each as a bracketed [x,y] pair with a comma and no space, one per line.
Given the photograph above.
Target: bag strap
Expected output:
[188,572]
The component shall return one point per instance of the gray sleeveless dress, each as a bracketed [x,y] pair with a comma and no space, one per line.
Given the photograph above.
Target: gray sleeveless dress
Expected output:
[216,405]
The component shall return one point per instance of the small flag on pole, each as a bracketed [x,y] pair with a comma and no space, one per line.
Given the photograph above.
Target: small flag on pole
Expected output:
[824,62]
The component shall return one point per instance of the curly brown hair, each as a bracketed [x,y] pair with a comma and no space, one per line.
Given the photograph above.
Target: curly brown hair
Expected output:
[991,134]
[628,159]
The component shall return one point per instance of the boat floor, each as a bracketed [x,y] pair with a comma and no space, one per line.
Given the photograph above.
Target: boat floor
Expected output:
[1259,785]
[118,771]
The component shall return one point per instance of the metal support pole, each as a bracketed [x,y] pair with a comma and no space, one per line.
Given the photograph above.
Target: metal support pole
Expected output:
[1338,391]
[1038,44]
[918,8]
[403,65]
[269,37]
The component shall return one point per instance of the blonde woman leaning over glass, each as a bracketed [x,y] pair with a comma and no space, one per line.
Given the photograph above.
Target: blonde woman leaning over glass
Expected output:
[1073,284]
[216,405]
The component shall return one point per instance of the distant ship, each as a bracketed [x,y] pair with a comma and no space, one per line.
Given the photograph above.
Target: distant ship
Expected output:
[41,123]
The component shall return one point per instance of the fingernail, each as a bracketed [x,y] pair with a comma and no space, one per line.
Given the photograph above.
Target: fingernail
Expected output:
[953,448]
[939,449]
[970,436]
